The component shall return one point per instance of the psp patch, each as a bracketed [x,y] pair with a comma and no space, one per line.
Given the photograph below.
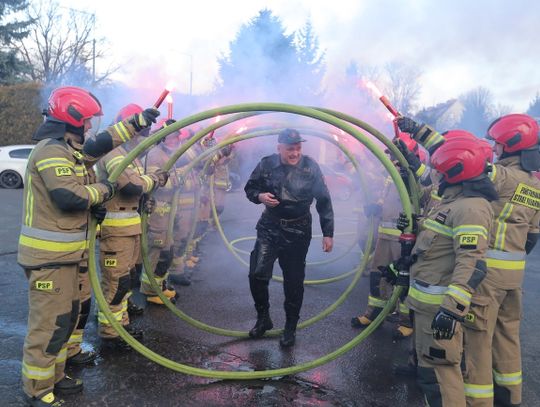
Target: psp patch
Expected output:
[468,241]
[62,171]
[110,262]
[44,285]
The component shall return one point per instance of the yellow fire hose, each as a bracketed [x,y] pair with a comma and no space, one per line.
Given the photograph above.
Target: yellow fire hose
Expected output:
[249,107]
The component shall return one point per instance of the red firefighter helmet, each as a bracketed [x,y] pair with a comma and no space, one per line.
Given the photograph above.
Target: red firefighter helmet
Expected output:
[73,105]
[126,111]
[465,135]
[515,132]
[460,159]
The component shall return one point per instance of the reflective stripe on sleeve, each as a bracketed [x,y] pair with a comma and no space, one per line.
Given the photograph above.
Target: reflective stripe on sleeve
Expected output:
[113,163]
[470,229]
[54,162]
[432,294]
[93,193]
[438,228]
[459,294]
[122,131]
[149,182]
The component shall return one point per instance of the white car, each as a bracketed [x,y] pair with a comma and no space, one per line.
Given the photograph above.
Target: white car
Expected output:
[13,161]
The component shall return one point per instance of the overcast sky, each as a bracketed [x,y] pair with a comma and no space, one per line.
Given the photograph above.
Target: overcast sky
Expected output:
[459,44]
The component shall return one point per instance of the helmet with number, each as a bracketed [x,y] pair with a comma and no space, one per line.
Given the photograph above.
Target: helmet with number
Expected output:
[73,105]
[461,159]
[127,111]
[515,132]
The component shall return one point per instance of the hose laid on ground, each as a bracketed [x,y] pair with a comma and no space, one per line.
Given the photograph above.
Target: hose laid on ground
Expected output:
[250,107]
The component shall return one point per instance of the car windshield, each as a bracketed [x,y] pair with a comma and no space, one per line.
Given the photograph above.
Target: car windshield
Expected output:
[20,153]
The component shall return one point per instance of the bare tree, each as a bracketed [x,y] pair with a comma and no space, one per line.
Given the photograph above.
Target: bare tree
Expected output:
[62,47]
[402,85]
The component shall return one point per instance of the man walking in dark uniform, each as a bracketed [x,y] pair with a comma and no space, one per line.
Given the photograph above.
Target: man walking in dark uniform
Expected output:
[286,184]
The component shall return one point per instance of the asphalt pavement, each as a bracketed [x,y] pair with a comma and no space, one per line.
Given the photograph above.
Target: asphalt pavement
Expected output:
[219,296]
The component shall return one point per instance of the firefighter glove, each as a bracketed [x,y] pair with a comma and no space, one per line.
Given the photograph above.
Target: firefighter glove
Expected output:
[407,125]
[413,161]
[111,190]
[149,204]
[403,222]
[144,120]
[373,209]
[162,176]
[99,212]
[444,325]
[389,272]
[227,150]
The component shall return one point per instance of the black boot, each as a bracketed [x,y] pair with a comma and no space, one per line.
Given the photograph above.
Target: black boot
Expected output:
[288,337]
[263,324]
[134,309]
[68,385]
[81,358]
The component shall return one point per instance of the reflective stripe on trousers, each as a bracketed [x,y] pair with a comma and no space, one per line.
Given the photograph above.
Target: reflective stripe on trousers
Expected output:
[119,219]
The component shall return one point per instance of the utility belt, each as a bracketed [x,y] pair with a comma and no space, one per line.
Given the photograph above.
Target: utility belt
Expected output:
[303,220]
[505,260]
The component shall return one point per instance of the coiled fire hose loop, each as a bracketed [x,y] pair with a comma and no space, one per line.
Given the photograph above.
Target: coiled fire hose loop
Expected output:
[220,331]
[249,107]
[234,250]
[230,247]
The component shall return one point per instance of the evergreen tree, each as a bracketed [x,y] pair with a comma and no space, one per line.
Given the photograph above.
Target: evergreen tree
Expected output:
[534,107]
[311,67]
[264,63]
[477,111]
[11,68]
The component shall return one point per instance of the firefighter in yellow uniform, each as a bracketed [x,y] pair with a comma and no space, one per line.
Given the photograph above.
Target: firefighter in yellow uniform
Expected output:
[493,354]
[387,250]
[185,214]
[492,329]
[119,244]
[52,243]
[449,264]
[222,182]
[160,253]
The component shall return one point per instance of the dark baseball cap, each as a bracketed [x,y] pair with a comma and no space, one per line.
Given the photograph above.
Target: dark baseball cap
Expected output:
[289,136]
